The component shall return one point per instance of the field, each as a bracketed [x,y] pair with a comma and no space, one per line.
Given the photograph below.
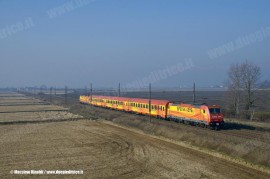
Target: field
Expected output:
[17,108]
[123,146]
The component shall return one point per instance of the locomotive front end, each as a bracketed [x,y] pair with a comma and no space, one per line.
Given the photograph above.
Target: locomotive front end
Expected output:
[216,117]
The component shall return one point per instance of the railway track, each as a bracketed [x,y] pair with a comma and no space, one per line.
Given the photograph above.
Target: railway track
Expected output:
[239,133]
[256,135]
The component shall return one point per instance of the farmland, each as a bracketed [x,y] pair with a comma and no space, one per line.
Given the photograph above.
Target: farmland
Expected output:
[122,146]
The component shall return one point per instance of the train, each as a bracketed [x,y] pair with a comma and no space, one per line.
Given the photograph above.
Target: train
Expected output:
[197,114]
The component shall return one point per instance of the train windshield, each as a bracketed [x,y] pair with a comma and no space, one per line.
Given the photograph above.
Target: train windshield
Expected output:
[214,110]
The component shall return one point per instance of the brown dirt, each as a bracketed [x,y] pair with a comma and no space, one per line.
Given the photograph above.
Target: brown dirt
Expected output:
[103,150]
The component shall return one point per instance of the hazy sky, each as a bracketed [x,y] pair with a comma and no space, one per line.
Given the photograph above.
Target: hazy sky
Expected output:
[74,43]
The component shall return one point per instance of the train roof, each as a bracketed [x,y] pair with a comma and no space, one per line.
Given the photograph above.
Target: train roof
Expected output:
[136,100]
[153,101]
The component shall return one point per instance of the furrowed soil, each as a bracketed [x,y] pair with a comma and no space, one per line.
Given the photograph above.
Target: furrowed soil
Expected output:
[104,150]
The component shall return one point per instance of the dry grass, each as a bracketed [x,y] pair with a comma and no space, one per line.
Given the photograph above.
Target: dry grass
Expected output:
[253,150]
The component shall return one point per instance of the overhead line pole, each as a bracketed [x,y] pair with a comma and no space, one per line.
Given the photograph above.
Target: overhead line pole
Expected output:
[194,93]
[91,93]
[150,98]
[66,91]
[50,94]
[119,88]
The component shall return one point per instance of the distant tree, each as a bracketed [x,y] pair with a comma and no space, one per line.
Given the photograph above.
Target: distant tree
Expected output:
[43,88]
[265,84]
[242,80]
[234,84]
[250,77]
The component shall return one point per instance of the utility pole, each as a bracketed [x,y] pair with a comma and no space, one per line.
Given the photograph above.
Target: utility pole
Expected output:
[91,93]
[66,90]
[119,88]
[194,93]
[85,90]
[180,92]
[150,98]
[50,94]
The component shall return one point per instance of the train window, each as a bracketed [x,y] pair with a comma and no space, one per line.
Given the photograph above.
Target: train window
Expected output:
[214,110]
[147,106]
